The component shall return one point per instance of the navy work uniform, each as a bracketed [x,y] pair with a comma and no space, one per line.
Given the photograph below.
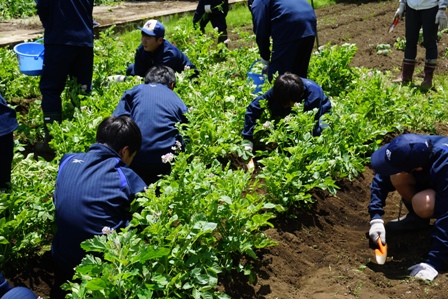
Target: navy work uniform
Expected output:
[433,177]
[214,11]
[8,123]
[292,26]
[166,54]
[157,110]
[68,32]
[313,97]
[93,190]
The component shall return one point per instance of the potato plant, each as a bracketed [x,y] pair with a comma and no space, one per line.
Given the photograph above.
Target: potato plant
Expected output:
[209,215]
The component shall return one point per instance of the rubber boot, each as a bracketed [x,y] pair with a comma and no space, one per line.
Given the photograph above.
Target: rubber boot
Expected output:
[44,147]
[408,222]
[430,67]
[407,71]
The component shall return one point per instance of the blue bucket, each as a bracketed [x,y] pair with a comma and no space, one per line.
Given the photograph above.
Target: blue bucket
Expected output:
[31,57]
[258,79]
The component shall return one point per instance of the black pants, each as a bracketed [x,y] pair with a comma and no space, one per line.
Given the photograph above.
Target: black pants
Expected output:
[6,155]
[293,57]
[416,19]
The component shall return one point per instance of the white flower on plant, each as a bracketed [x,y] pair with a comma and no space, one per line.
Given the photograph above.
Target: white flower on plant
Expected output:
[191,109]
[187,67]
[107,230]
[287,119]
[267,125]
[297,105]
[216,29]
[167,158]
[227,41]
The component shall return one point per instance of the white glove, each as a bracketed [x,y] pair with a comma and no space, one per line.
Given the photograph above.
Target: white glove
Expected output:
[377,230]
[441,19]
[116,78]
[400,10]
[423,271]
[248,145]
[208,8]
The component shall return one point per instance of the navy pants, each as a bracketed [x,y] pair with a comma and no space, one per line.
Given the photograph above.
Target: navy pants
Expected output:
[6,155]
[293,57]
[150,172]
[61,61]
[416,19]
[216,18]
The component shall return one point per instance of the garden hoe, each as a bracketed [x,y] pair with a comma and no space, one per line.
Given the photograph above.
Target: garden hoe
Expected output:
[394,24]
[381,253]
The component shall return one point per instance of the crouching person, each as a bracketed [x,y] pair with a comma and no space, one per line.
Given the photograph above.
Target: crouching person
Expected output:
[156,109]
[94,190]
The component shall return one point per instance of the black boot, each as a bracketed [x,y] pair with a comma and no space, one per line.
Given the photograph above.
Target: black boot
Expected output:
[407,222]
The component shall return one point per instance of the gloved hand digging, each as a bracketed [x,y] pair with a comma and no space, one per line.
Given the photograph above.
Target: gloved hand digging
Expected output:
[377,230]
[423,271]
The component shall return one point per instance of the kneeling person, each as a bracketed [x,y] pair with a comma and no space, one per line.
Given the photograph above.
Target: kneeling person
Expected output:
[156,109]
[94,190]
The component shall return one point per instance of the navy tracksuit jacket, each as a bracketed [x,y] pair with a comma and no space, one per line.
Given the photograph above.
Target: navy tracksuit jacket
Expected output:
[68,40]
[292,26]
[165,54]
[157,110]
[8,123]
[434,177]
[313,97]
[93,190]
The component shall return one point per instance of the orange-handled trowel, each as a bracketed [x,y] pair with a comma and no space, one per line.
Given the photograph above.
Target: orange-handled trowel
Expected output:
[381,253]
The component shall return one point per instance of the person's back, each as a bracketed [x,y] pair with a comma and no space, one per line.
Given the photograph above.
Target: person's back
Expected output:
[287,19]
[157,109]
[292,26]
[67,22]
[94,190]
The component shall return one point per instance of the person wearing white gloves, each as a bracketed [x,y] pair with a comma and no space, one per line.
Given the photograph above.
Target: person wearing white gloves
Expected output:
[416,166]
[428,15]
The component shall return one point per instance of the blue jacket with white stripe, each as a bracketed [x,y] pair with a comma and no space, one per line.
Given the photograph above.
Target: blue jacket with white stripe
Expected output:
[434,176]
[93,190]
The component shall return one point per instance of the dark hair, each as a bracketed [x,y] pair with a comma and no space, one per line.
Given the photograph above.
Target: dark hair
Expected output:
[161,74]
[288,88]
[117,132]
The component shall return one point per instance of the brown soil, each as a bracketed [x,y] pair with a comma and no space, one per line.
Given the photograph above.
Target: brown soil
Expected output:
[325,253]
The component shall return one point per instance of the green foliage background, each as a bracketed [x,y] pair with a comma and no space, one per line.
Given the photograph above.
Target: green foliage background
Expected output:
[208,216]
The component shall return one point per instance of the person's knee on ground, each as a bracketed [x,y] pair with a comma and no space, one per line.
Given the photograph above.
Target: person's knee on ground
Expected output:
[423,203]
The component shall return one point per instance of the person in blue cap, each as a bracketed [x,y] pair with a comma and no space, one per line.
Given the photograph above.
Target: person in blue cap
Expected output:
[155,50]
[8,124]
[93,191]
[215,12]
[68,44]
[9,292]
[416,166]
[292,26]
[288,89]
[157,110]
